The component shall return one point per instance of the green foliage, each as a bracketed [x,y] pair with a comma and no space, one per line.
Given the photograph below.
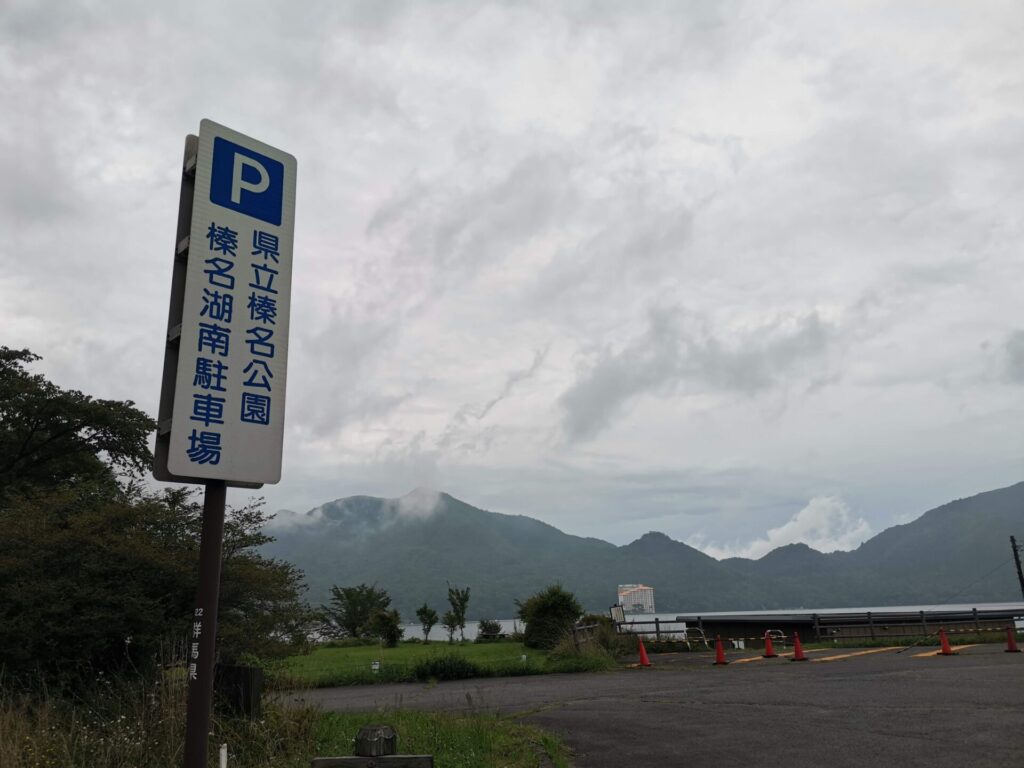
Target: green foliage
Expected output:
[548,616]
[605,635]
[95,581]
[51,437]
[328,666]
[487,629]
[458,599]
[140,721]
[450,622]
[351,609]
[386,625]
[350,642]
[427,617]
[95,571]
[463,740]
[447,666]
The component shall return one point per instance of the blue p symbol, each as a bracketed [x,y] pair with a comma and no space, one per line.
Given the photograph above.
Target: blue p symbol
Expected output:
[246,181]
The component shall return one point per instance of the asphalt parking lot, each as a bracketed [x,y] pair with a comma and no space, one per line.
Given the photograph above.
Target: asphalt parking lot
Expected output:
[874,708]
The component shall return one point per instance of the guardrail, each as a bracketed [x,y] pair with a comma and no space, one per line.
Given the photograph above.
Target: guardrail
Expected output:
[659,629]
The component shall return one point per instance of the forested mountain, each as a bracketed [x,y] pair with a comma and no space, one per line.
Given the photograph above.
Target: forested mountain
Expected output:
[415,545]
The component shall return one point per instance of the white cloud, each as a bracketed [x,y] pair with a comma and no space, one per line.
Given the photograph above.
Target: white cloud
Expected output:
[826,524]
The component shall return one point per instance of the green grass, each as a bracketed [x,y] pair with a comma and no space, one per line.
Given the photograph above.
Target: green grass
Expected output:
[138,722]
[326,666]
[456,741]
[351,666]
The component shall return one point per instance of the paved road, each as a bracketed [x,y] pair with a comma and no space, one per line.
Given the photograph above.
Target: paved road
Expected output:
[872,710]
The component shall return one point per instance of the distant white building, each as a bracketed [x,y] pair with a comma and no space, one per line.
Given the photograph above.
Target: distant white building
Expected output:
[636,598]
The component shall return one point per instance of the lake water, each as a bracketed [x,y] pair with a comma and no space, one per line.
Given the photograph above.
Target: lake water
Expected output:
[510,625]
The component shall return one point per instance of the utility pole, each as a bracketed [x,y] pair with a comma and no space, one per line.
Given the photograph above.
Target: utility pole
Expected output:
[1016,557]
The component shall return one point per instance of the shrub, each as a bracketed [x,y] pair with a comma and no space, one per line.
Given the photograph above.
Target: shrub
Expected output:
[549,615]
[487,629]
[447,666]
[587,657]
[387,625]
[350,642]
[606,636]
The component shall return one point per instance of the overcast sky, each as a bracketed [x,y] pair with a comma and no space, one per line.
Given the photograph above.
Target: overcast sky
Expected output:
[744,273]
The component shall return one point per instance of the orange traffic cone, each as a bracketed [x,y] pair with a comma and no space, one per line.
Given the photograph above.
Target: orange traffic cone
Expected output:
[769,652]
[798,648]
[1011,639]
[644,661]
[946,650]
[719,652]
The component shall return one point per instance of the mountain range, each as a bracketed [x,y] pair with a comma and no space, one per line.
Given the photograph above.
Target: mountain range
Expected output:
[416,545]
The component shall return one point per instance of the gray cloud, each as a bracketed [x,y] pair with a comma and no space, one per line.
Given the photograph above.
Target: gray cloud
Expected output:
[1014,349]
[678,351]
[456,433]
[833,194]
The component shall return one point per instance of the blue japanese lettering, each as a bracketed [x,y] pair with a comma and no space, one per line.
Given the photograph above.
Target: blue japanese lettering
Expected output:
[222,239]
[204,447]
[255,408]
[215,338]
[209,374]
[208,409]
[217,305]
[263,309]
[259,375]
[264,277]
[266,245]
[219,273]
[260,344]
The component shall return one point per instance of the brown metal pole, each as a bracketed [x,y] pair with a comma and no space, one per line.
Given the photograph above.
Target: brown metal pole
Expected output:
[202,634]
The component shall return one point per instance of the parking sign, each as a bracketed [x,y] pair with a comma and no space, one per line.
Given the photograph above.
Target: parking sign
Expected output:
[232,349]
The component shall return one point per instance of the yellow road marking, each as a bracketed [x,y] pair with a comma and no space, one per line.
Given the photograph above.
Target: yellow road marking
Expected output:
[858,653]
[954,648]
[781,656]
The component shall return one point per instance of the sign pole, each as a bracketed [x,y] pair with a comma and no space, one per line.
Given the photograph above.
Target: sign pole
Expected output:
[203,632]
[222,398]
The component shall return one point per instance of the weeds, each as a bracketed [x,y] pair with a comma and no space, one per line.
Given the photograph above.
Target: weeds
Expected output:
[133,723]
[447,666]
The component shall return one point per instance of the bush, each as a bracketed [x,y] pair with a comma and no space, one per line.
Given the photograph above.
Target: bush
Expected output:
[387,625]
[549,615]
[349,642]
[447,666]
[606,636]
[587,657]
[487,629]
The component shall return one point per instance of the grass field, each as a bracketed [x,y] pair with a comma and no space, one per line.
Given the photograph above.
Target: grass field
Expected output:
[141,722]
[327,666]
[456,741]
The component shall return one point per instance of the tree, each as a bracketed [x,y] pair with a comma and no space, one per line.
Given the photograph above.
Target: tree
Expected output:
[450,622]
[428,618]
[548,616]
[96,573]
[351,608]
[91,582]
[387,626]
[51,437]
[459,599]
[487,629]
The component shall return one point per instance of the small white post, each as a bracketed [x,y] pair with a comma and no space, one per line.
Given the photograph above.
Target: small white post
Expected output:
[223,756]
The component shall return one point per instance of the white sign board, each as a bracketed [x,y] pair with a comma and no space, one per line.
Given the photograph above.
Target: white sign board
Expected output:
[228,418]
